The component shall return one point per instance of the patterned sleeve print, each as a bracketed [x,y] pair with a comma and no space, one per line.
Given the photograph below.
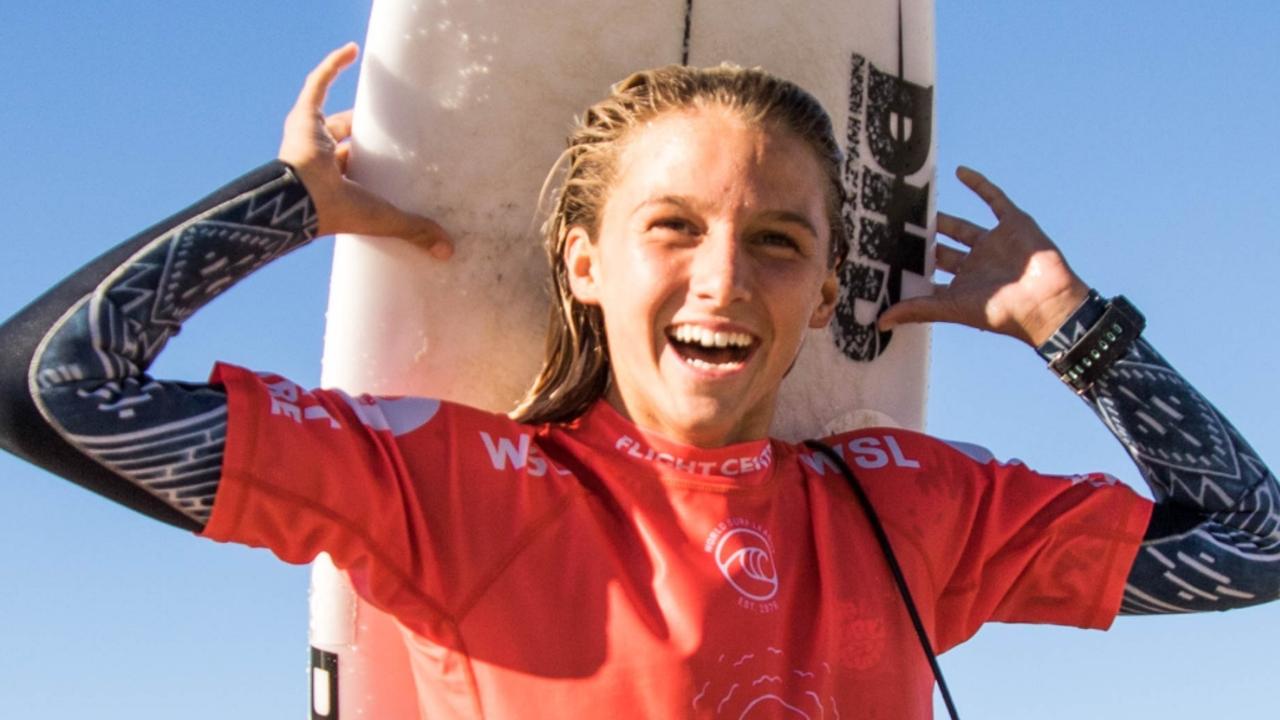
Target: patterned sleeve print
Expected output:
[1214,539]
[88,374]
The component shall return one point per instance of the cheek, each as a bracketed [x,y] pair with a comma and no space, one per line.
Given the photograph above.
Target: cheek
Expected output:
[795,298]
[638,279]
[631,309]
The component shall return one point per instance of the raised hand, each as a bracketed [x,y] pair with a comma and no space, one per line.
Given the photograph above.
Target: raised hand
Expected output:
[1009,279]
[317,147]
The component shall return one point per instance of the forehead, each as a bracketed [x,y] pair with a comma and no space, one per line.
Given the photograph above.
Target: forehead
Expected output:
[715,153]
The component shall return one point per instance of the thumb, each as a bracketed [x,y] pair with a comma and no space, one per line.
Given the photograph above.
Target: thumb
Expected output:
[426,233]
[381,217]
[929,308]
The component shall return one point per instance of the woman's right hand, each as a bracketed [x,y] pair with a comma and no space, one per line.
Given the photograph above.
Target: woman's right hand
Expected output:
[317,147]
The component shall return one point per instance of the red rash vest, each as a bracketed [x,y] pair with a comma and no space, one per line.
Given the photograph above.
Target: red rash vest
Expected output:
[592,568]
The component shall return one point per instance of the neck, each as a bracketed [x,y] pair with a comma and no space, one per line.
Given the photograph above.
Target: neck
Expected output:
[715,432]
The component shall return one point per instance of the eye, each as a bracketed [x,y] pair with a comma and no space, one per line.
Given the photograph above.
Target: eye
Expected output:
[775,239]
[674,224]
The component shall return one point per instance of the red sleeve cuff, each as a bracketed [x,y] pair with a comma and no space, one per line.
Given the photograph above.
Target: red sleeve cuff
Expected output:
[237,462]
[1131,529]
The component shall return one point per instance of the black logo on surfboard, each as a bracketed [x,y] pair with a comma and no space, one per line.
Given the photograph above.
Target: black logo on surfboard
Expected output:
[886,216]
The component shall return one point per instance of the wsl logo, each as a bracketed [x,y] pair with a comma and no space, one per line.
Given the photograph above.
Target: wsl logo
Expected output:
[744,553]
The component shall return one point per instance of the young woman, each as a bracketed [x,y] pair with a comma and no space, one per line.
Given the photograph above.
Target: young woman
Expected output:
[633,540]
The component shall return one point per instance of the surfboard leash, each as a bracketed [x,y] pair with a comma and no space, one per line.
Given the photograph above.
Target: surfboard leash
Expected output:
[899,579]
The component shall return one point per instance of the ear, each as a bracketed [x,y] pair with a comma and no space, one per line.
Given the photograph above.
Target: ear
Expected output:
[829,293]
[582,266]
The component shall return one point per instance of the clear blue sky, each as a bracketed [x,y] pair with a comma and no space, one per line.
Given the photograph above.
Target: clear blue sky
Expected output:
[1142,135]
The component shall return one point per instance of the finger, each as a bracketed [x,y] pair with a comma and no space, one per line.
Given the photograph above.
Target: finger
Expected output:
[339,125]
[316,86]
[382,218]
[959,229]
[949,258]
[990,193]
[342,154]
[915,310]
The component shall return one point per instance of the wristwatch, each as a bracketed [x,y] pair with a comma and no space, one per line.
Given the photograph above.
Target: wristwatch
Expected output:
[1105,342]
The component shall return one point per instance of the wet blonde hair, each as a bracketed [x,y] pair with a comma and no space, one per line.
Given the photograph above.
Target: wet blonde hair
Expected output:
[575,371]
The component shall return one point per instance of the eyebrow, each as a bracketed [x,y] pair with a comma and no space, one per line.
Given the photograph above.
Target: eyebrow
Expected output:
[664,200]
[786,216]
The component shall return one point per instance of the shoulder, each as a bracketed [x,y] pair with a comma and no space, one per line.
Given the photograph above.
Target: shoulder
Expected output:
[268,401]
[895,455]
[877,448]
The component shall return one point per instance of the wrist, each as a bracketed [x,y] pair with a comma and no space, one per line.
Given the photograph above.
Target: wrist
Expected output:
[1054,312]
[1068,333]
[313,184]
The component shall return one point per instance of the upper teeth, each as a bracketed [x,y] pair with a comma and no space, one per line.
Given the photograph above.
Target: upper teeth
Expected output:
[710,338]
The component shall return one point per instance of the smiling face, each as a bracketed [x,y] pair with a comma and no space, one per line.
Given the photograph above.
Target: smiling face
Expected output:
[711,261]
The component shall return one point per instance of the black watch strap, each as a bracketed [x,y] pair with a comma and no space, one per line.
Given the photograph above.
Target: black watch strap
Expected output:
[1105,342]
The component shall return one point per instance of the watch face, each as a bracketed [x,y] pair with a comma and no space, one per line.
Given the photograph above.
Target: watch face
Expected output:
[1169,423]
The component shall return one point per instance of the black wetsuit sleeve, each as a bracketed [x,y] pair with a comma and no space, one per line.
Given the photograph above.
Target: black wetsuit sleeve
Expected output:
[1213,542]
[75,396]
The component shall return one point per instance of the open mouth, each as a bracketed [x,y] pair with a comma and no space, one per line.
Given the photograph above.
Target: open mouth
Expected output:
[709,349]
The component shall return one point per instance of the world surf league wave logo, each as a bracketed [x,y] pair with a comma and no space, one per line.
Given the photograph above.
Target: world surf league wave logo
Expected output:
[886,179]
[744,554]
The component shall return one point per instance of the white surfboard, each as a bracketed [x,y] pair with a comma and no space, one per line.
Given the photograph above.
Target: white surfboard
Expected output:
[461,110]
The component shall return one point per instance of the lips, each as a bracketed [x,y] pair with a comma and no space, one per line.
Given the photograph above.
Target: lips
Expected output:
[711,348]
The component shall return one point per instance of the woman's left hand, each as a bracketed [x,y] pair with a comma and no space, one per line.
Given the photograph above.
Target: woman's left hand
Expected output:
[1012,279]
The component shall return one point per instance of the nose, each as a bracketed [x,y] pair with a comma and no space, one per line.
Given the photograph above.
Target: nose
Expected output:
[720,273]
